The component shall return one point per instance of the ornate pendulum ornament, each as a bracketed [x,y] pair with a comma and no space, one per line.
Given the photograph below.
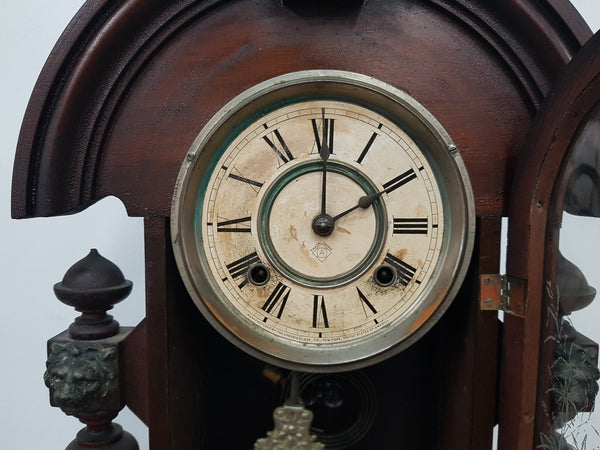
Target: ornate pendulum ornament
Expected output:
[292,425]
[292,430]
[83,365]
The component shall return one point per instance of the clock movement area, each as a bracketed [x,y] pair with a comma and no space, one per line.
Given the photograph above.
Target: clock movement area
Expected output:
[219,395]
[362,409]
[232,395]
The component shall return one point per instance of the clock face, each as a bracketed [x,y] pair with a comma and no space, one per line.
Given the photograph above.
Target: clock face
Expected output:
[322,221]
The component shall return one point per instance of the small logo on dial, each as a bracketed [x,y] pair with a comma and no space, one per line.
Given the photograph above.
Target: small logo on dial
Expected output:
[321,251]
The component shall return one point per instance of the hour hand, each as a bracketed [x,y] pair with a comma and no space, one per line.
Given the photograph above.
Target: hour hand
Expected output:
[324,224]
[364,202]
[367,200]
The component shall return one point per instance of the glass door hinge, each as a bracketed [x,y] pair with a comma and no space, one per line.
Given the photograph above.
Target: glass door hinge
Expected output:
[503,293]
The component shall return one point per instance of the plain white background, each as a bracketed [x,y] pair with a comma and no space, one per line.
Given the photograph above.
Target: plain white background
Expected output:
[36,253]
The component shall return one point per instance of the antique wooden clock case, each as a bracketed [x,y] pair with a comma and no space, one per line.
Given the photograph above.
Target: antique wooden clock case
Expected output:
[129,86]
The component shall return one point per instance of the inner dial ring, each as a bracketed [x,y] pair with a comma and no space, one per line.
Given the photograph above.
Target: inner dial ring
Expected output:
[285,229]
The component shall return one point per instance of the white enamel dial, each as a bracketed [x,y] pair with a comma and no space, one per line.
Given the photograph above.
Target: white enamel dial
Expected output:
[320,223]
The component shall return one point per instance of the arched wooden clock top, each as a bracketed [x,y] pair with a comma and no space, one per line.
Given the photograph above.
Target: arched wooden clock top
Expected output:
[129,85]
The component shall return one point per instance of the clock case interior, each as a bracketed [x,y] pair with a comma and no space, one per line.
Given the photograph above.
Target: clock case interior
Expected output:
[130,84]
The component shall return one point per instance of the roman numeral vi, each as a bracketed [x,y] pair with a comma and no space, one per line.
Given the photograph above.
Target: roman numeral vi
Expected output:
[319,313]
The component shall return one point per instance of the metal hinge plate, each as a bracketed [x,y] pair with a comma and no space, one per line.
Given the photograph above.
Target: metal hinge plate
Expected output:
[503,293]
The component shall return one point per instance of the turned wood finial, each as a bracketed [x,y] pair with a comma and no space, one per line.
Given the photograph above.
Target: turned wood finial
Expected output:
[84,363]
[92,286]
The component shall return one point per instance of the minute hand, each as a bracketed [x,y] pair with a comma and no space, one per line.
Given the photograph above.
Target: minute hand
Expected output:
[324,152]
[367,200]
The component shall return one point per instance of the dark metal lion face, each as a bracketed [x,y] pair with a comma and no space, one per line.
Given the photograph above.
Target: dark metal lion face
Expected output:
[80,376]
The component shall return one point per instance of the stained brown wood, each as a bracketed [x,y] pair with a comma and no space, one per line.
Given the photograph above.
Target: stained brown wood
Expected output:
[135,371]
[119,115]
[131,84]
[470,365]
[157,320]
[573,96]
[174,377]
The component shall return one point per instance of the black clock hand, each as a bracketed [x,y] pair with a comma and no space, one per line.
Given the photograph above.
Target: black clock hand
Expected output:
[367,200]
[364,202]
[324,154]
[323,224]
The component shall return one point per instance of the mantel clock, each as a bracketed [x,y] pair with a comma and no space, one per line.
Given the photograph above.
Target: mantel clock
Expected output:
[322,185]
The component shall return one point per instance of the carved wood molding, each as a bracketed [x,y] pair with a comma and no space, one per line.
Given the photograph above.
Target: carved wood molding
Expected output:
[77,94]
[103,51]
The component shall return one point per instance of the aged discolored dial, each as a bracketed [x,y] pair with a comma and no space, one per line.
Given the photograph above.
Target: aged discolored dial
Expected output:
[322,220]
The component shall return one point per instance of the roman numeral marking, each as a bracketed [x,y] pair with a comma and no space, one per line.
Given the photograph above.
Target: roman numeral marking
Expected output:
[328,124]
[319,312]
[254,185]
[368,146]
[368,308]
[404,271]
[417,225]
[240,226]
[276,302]
[245,180]
[282,151]
[239,268]
[399,181]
